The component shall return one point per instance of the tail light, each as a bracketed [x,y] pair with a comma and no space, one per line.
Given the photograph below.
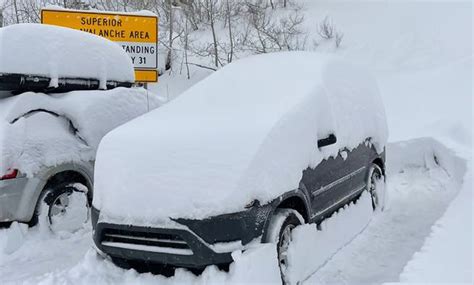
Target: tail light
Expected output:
[11,174]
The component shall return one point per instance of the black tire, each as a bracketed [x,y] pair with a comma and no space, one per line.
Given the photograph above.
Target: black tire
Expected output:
[49,199]
[279,230]
[376,187]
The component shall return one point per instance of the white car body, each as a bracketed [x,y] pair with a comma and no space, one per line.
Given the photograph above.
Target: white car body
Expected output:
[45,137]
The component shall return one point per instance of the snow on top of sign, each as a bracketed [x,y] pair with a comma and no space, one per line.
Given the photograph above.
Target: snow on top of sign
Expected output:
[58,52]
[246,132]
[134,13]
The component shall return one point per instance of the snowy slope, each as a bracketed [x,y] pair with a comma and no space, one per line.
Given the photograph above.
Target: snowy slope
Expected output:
[422,55]
[421,52]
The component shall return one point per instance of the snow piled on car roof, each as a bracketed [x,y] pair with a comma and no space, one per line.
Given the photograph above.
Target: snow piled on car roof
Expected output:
[38,130]
[58,52]
[246,132]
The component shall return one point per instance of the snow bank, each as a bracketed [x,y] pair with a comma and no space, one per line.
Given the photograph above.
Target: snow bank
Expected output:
[376,255]
[225,141]
[334,233]
[13,238]
[421,188]
[254,266]
[429,153]
[58,52]
[447,254]
[40,250]
[28,142]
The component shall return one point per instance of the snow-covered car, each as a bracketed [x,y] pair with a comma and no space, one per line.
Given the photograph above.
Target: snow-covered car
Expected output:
[246,155]
[44,58]
[48,141]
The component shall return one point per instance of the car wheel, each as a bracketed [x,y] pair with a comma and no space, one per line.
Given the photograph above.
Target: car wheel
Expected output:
[279,231]
[64,208]
[376,187]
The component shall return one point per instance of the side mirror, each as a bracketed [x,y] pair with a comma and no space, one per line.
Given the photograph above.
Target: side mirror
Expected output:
[331,139]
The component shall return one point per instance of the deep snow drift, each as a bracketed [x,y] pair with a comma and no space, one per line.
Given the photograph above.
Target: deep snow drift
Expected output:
[447,254]
[57,52]
[192,157]
[312,246]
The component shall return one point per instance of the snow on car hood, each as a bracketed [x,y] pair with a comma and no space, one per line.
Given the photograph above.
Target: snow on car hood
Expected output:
[246,132]
[29,139]
[56,52]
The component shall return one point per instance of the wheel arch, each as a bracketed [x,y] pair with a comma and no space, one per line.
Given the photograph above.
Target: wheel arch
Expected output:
[72,172]
[380,163]
[296,202]
[68,176]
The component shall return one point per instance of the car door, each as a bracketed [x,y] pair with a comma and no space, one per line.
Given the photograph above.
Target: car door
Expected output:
[324,182]
[359,160]
[335,179]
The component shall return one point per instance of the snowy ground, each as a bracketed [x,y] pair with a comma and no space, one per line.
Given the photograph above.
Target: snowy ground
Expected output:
[26,253]
[419,193]
[419,196]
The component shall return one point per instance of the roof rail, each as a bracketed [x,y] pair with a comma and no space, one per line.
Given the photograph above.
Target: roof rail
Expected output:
[19,83]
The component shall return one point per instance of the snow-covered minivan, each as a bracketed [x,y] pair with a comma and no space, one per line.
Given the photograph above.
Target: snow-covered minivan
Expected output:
[246,155]
[61,91]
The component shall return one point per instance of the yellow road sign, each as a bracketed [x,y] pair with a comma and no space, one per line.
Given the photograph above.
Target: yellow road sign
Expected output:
[144,75]
[137,34]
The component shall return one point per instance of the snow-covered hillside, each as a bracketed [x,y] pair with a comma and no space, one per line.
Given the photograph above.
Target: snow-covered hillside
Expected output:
[421,53]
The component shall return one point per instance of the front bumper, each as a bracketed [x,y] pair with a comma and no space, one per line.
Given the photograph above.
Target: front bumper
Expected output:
[195,244]
[12,196]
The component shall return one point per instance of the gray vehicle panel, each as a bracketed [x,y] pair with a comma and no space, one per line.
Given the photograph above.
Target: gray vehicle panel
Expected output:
[19,196]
